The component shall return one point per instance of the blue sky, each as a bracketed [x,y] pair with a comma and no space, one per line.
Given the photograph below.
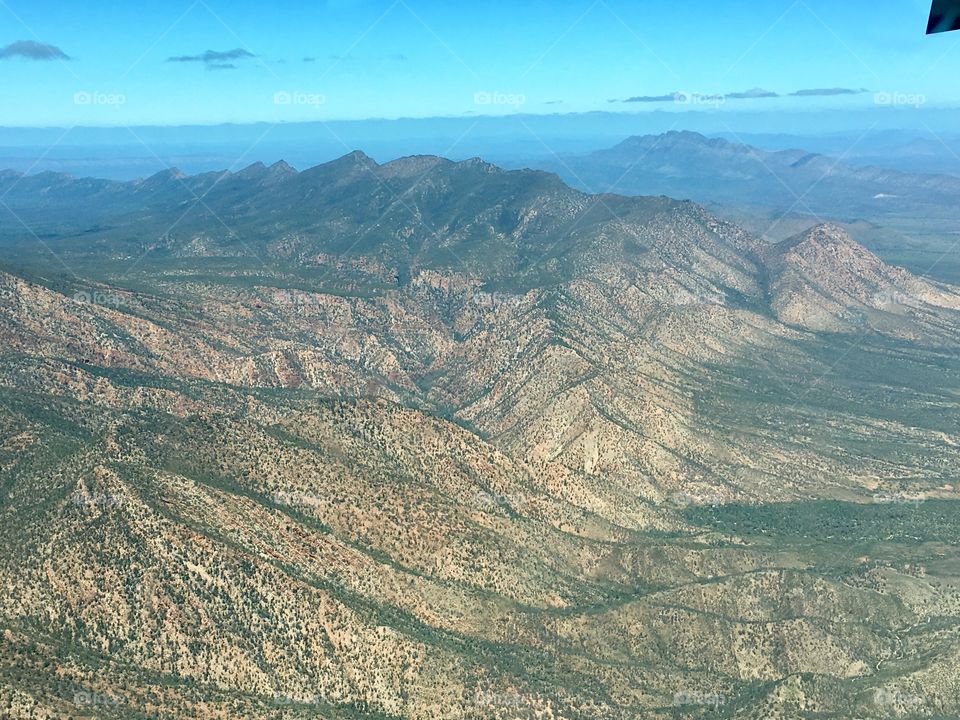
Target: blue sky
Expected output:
[210,61]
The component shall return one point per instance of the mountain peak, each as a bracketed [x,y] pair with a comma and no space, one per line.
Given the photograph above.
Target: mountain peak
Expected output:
[164,176]
[255,170]
[359,157]
[824,280]
[689,135]
[822,237]
[281,167]
[412,165]
[264,175]
[479,164]
[344,164]
[342,171]
[669,140]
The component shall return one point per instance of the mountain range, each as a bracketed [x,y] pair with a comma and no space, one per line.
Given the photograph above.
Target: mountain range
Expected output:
[434,439]
[716,170]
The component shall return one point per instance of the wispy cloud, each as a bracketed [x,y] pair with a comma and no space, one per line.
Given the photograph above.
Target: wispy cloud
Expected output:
[683,97]
[30,50]
[214,59]
[820,92]
[752,94]
[651,98]
[366,59]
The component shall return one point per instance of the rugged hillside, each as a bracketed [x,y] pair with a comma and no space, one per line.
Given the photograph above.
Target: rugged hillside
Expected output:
[520,227]
[435,440]
[823,280]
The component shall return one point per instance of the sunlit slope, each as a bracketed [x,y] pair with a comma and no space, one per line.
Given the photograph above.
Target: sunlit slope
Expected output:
[559,456]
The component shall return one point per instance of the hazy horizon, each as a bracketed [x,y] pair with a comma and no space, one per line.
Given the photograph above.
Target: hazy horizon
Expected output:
[127,153]
[122,92]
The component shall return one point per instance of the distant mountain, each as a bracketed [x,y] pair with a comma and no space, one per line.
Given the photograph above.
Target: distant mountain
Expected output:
[912,151]
[524,137]
[715,170]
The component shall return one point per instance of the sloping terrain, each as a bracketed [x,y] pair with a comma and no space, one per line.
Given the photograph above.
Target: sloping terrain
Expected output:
[823,280]
[435,440]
